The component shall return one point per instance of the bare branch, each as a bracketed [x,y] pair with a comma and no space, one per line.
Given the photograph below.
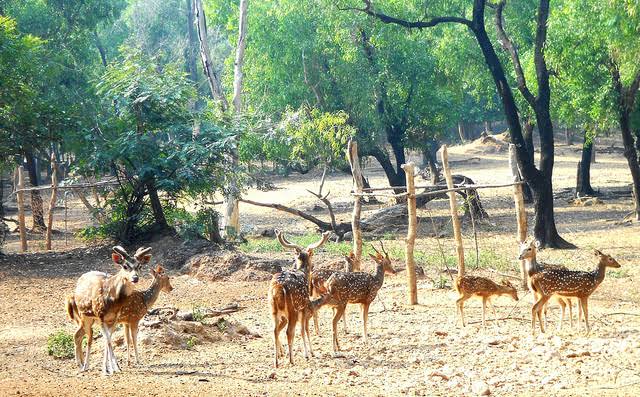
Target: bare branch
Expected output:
[368,9]
[508,45]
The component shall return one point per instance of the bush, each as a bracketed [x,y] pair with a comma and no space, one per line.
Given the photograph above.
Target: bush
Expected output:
[60,345]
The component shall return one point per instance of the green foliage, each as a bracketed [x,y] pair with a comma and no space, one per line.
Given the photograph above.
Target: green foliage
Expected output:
[192,342]
[198,313]
[60,344]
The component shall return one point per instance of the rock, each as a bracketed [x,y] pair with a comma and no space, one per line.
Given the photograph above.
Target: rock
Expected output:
[438,374]
[480,388]
[185,316]
[547,379]
[348,236]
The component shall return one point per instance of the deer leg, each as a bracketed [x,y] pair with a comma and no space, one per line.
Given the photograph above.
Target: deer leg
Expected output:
[365,318]
[484,309]
[570,303]
[537,310]
[291,330]
[563,307]
[301,319]
[134,338]
[315,323]
[336,318]
[306,331]
[77,341]
[495,315]
[344,321]
[127,335]
[277,348]
[106,363]
[460,305]
[88,330]
[585,308]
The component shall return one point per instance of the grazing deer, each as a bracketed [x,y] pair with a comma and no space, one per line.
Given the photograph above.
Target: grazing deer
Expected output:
[528,253]
[357,287]
[289,297]
[99,297]
[319,279]
[569,283]
[469,286]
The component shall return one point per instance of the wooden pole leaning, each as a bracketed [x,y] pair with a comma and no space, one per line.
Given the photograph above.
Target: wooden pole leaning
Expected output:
[409,170]
[455,220]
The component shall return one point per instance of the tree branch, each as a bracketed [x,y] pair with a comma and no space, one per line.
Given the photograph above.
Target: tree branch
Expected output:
[508,45]
[368,9]
[542,73]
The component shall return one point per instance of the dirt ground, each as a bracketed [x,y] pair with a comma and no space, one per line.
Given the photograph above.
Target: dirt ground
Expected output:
[413,350]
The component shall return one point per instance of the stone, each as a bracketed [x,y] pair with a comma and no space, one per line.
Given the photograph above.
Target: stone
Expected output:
[480,388]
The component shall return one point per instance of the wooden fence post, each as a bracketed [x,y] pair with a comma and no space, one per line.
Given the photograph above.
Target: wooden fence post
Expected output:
[21,223]
[52,202]
[352,154]
[409,170]
[521,214]
[454,211]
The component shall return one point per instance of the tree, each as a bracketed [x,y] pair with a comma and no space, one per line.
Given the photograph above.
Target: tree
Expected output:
[540,180]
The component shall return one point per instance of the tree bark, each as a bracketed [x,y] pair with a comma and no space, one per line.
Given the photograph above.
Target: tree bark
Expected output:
[191,50]
[528,141]
[101,49]
[463,138]
[583,182]
[212,77]
[156,205]
[37,207]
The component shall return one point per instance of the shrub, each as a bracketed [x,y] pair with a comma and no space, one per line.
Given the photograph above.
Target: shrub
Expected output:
[60,345]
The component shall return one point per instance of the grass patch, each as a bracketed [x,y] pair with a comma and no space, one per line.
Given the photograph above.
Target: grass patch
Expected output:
[622,273]
[198,313]
[192,342]
[60,344]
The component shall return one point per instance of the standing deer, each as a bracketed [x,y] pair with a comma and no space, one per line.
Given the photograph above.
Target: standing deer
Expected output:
[319,279]
[99,297]
[469,286]
[357,287]
[288,297]
[528,253]
[569,283]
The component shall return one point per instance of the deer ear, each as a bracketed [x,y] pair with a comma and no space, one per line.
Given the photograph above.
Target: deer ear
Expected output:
[117,258]
[373,257]
[159,269]
[597,253]
[144,259]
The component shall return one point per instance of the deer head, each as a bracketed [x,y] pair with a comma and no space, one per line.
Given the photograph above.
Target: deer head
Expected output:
[303,255]
[383,260]
[130,266]
[509,289]
[606,260]
[162,278]
[528,249]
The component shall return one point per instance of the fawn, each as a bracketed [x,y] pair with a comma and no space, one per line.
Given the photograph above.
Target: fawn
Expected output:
[568,283]
[357,287]
[469,286]
[528,253]
[99,297]
[319,279]
[288,297]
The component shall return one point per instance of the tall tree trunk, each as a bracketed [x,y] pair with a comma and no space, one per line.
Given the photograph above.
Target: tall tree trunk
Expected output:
[37,208]
[101,49]
[231,208]
[429,161]
[583,182]
[212,77]
[383,159]
[528,141]
[463,137]
[191,49]
[568,136]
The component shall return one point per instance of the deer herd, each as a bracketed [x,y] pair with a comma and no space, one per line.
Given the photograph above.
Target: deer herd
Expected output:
[295,295]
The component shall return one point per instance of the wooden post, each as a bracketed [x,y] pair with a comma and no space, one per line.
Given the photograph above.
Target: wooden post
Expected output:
[52,202]
[457,234]
[21,223]
[352,154]
[409,170]
[521,214]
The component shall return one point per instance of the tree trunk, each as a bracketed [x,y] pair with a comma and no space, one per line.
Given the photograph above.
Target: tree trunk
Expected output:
[395,139]
[528,141]
[101,49]
[191,49]
[568,136]
[156,205]
[212,77]
[631,155]
[37,208]
[461,132]
[383,159]
[583,182]
[429,156]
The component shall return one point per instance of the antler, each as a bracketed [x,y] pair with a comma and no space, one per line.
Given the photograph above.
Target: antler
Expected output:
[141,251]
[285,243]
[321,242]
[383,250]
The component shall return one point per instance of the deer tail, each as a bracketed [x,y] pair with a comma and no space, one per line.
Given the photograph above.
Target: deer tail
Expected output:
[72,309]
[278,296]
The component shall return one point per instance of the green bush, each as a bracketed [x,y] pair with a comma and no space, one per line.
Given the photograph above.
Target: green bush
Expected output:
[60,345]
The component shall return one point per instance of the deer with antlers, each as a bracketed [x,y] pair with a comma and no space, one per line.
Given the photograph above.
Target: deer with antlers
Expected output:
[569,284]
[288,297]
[528,252]
[99,297]
[357,287]
[319,280]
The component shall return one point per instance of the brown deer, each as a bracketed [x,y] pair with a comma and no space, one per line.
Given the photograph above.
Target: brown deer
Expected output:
[99,297]
[470,286]
[288,297]
[568,283]
[528,253]
[319,279]
[357,287]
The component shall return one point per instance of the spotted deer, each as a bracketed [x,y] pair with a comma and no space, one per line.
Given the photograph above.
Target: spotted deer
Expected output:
[319,279]
[99,297]
[470,286]
[288,297]
[528,252]
[357,287]
[568,283]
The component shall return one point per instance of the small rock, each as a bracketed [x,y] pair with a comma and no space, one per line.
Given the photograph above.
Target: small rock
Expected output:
[272,375]
[441,333]
[480,388]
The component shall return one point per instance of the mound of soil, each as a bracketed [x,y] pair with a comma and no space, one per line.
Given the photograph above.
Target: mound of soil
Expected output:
[487,144]
[233,266]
